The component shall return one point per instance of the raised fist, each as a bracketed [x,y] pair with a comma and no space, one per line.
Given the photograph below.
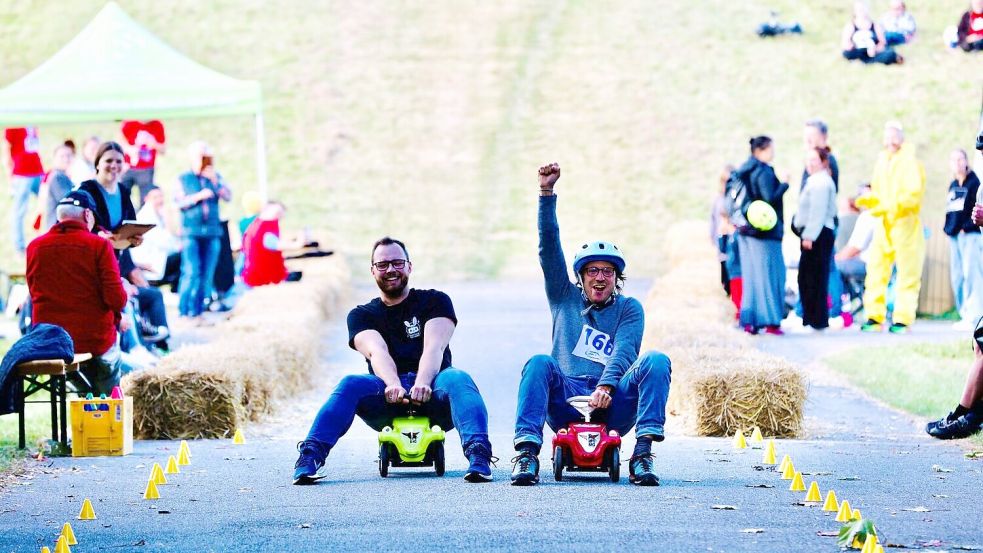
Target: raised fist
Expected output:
[548,175]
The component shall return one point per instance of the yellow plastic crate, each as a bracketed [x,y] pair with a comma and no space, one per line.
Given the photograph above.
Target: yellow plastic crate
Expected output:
[102,427]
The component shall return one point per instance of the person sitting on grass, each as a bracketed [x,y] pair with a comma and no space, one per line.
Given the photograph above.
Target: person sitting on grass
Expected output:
[404,335]
[263,249]
[969,33]
[863,39]
[967,418]
[597,334]
[74,281]
[898,24]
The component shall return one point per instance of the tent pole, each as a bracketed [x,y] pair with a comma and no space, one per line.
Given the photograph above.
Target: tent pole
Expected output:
[261,155]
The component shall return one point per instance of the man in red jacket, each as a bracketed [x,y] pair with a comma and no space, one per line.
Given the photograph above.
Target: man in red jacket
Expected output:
[75,283]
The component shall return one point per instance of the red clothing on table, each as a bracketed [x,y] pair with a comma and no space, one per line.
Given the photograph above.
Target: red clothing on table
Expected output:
[262,266]
[24,146]
[147,156]
[74,282]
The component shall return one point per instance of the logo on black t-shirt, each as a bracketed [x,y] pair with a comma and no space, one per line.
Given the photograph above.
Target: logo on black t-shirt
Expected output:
[412,328]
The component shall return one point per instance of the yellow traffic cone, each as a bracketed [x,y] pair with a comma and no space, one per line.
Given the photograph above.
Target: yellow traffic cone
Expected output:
[87,512]
[797,484]
[769,456]
[789,472]
[61,546]
[182,458]
[739,441]
[785,461]
[69,534]
[813,496]
[157,475]
[45,549]
[878,548]
[831,504]
[172,467]
[239,438]
[756,437]
[856,543]
[855,515]
[843,515]
[185,448]
[870,544]
[151,492]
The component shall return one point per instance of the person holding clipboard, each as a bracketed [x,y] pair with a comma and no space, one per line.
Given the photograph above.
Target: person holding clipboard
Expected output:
[114,210]
[198,195]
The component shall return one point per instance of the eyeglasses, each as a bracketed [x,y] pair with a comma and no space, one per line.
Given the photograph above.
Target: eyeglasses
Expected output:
[397,264]
[594,271]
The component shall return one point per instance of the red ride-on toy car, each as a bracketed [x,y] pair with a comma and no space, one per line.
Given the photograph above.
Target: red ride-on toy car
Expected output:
[586,446]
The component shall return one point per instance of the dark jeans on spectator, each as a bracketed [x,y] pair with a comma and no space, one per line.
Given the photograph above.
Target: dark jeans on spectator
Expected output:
[198,259]
[102,372]
[972,46]
[151,303]
[142,178]
[887,57]
[172,272]
[814,280]
[895,39]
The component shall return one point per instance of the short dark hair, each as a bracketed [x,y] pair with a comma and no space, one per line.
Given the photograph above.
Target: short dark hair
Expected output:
[760,143]
[388,241]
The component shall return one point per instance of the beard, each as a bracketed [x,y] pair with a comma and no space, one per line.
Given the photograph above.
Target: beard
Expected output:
[394,289]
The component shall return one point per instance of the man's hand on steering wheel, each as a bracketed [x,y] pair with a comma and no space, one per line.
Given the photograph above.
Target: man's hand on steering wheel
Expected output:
[420,393]
[601,398]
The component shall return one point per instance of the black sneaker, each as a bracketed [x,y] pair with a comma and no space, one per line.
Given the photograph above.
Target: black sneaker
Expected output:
[525,471]
[307,469]
[933,427]
[641,470]
[955,429]
[153,334]
[481,458]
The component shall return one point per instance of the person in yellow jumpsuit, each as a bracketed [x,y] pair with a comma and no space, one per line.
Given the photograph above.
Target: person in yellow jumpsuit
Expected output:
[895,200]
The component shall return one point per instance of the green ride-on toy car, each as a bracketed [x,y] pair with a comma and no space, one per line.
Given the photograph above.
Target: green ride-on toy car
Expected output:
[411,442]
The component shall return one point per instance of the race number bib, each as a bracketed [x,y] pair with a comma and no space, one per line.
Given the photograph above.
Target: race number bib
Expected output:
[594,345]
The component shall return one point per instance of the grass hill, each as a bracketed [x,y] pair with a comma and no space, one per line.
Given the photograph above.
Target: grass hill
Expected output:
[427,120]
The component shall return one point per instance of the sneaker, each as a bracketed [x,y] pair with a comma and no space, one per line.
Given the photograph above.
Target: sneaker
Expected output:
[641,470]
[307,469]
[871,326]
[525,470]
[750,330]
[898,328]
[957,428]
[153,334]
[774,330]
[481,458]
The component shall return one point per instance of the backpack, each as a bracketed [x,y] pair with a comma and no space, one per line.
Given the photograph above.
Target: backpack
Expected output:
[738,196]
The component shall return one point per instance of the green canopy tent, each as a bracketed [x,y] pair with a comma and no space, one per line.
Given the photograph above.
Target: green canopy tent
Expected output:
[115,69]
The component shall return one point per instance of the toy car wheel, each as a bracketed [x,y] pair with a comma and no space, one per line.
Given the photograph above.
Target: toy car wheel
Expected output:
[384,459]
[558,463]
[437,453]
[614,464]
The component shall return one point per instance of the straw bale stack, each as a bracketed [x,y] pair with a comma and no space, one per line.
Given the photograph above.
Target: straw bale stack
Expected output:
[263,353]
[720,382]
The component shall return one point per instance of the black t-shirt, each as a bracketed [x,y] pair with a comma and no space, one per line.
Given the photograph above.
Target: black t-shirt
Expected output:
[402,325]
[959,206]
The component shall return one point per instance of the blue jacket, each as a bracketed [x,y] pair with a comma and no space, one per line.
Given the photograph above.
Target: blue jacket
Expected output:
[200,219]
[611,335]
[44,341]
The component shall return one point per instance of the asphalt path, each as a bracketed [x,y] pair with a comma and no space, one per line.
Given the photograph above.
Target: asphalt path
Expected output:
[239,498]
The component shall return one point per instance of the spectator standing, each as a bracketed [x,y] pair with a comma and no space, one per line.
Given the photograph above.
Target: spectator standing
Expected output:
[262,249]
[969,33]
[762,263]
[160,253]
[84,165]
[56,185]
[75,283]
[898,23]
[816,135]
[814,224]
[199,192]
[24,167]
[112,205]
[144,140]
[720,228]
[897,188]
[966,257]
[863,39]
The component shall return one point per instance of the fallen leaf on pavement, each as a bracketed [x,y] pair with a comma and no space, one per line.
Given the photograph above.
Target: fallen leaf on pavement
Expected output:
[724,507]
[758,486]
[753,531]
[691,481]
[163,512]
[828,534]
[965,547]
[974,455]
[940,496]
[918,509]
[305,525]
[849,478]
[938,468]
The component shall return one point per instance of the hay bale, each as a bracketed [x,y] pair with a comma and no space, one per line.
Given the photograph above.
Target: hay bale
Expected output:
[718,391]
[264,353]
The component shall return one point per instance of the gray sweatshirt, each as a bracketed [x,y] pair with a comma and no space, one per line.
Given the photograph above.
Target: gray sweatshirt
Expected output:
[602,342]
[817,206]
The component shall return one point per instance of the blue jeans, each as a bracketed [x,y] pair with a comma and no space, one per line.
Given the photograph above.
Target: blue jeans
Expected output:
[966,274]
[895,39]
[21,189]
[198,260]
[639,399]
[455,402]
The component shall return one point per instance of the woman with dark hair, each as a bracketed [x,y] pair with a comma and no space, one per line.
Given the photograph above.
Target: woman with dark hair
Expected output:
[112,205]
[813,224]
[762,263]
[863,39]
